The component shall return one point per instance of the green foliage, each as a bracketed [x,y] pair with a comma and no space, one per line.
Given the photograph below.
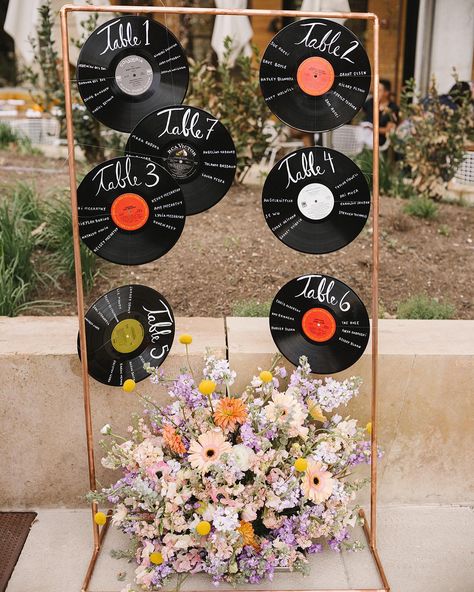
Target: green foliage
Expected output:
[45,77]
[423,307]
[30,231]
[233,95]
[19,219]
[13,289]
[364,160]
[251,308]
[431,142]
[444,230]
[57,240]
[391,177]
[421,207]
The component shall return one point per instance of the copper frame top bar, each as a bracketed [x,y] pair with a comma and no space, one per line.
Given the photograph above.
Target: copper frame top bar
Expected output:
[219,11]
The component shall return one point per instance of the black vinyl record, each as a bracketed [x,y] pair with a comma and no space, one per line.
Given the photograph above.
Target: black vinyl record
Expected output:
[319,317]
[126,328]
[195,148]
[128,67]
[315,75]
[316,200]
[130,209]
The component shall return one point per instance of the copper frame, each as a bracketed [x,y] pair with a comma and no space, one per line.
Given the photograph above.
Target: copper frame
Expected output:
[99,533]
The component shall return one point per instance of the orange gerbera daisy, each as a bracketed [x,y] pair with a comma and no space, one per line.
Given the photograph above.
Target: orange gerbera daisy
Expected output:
[173,440]
[248,534]
[229,412]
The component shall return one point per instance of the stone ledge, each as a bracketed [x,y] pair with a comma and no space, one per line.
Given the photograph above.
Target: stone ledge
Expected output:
[426,408]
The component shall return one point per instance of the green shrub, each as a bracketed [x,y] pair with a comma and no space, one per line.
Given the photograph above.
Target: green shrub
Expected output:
[421,207]
[251,308]
[57,240]
[431,141]
[233,95]
[364,160]
[423,307]
[13,290]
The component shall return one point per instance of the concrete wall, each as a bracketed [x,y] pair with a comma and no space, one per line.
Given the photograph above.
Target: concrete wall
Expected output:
[426,405]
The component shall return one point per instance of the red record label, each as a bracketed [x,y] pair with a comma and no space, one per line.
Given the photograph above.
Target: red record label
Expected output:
[318,324]
[315,76]
[129,211]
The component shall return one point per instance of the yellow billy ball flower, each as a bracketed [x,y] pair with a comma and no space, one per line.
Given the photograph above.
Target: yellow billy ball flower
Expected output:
[207,387]
[203,528]
[185,339]
[368,427]
[100,518]
[156,557]
[266,376]
[301,464]
[129,385]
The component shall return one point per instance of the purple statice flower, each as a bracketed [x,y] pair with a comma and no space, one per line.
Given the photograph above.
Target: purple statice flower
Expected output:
[335,542]
[271,433]
[249,437]
[362,454]
[161,572]
[314,548]
[255,566]
[185,390]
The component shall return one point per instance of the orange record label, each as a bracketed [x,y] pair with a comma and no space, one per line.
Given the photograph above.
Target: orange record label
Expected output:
[315,76]
[129,211]
[318,324]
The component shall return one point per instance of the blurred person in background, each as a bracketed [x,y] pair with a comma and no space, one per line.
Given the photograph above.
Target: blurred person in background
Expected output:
[388,111]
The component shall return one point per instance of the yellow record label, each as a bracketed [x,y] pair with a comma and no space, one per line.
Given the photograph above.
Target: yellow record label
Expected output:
[127,336]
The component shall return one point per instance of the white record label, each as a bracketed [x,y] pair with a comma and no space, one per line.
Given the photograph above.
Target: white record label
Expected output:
[315,201]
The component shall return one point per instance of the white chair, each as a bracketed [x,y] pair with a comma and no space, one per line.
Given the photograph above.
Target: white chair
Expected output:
[465,173]
[352,139]
[277,141]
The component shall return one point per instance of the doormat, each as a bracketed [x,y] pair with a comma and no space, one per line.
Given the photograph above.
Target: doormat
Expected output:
[14,529]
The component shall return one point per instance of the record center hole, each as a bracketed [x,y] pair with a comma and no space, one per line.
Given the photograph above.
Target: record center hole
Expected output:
[127,336]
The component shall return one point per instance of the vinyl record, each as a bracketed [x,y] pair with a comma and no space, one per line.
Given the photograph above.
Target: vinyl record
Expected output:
[128,67]
[319,317]
[126,328]
[316,200]
[131,211]
[194,147]
[315,75]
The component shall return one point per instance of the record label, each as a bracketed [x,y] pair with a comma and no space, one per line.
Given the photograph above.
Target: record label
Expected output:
[130,209]
[316,200]
[127,328]
[322,318]
[194,147]
[128,67]
[315,75]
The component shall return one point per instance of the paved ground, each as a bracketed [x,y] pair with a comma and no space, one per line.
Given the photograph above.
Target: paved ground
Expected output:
[423,548]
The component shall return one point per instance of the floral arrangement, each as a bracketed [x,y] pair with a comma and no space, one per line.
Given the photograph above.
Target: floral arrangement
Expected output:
[236,485]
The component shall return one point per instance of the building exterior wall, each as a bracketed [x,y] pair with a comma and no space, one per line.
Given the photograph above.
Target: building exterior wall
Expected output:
[452,42]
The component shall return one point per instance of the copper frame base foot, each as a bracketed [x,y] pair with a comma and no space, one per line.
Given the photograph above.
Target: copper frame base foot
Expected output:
[95,554]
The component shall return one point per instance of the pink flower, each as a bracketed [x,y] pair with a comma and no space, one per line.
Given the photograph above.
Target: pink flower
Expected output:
[317,484]
[208,449]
